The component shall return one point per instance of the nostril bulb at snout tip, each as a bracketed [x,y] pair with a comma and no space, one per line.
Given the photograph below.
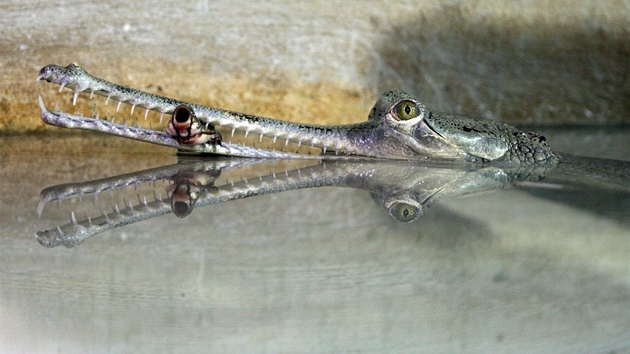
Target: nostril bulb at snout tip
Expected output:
[182,114]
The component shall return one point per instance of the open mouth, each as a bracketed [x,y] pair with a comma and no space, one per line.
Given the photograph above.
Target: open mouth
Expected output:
[82,101]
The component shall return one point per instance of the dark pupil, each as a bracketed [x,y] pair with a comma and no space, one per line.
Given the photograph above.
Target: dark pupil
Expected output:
[406,211]
[407,110]
[182,114]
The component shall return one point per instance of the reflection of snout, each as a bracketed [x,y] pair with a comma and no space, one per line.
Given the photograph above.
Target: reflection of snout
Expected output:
[183,199]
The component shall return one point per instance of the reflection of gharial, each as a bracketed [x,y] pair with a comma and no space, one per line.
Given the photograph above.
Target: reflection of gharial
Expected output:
[404,189]
[399,127]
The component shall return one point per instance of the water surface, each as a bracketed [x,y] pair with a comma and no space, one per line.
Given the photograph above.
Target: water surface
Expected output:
[490,264]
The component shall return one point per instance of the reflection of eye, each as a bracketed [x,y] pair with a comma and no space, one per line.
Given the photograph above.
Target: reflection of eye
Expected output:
[404,212]
[406,109]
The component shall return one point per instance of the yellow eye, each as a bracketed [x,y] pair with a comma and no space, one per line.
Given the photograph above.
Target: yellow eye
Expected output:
[406,109]
[404,212]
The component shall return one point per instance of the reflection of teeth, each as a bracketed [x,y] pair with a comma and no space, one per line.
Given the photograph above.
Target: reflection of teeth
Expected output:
[73,218]
[104,214]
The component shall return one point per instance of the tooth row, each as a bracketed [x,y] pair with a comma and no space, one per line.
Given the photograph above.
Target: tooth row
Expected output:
[108,96]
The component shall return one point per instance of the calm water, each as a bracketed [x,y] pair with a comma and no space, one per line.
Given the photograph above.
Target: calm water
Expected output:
[495,260]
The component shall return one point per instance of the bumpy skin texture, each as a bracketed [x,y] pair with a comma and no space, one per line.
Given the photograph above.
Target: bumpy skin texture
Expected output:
[519,147]
[386,134]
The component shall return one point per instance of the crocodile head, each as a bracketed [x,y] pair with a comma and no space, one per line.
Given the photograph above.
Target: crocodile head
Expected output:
[398,127]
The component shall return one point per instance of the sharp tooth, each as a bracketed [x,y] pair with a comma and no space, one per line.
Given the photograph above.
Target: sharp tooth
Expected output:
[60,232]
[41,103]
[274,138]
[133,106]
[107,100]
[40,208]
[91,94]
[286,143]
[299,143]
[261,135]
[246,132]
[233,129]
[74,99]
[89,220]
[118,107]
[324,149]
[73,218]
[161,117]
[146,114]
[61,87]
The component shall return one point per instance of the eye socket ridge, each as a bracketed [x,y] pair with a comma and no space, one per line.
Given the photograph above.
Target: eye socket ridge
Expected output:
[405,110]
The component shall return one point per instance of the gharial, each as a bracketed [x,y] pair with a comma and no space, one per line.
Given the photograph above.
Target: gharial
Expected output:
[398,127]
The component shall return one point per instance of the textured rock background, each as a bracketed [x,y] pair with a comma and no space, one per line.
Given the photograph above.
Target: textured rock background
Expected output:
[547,62]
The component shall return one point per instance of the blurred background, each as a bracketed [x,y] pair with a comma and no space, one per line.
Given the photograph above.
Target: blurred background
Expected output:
[528,61]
